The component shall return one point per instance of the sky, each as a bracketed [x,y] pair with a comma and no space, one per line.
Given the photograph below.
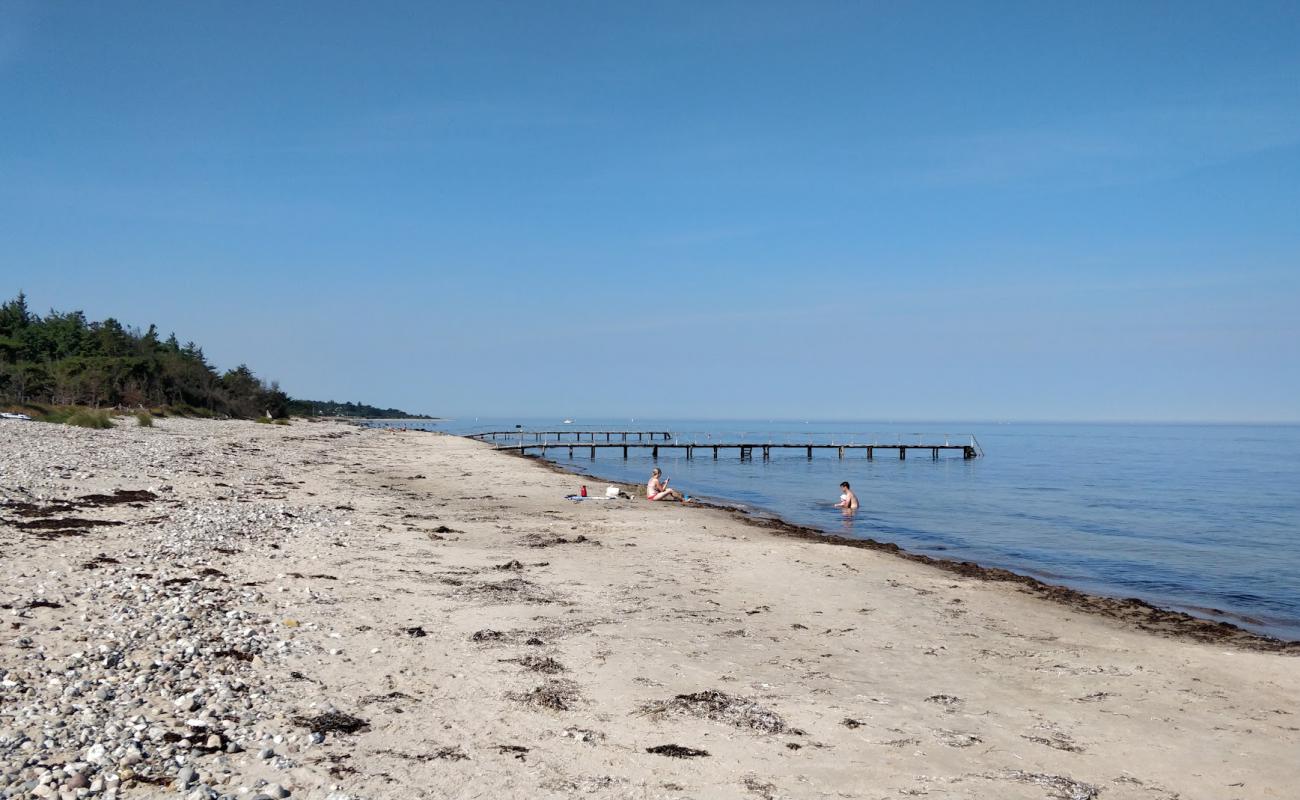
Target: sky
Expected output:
[912,211]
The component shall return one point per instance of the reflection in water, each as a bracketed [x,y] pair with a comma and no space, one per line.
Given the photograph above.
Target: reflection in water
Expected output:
[846,523]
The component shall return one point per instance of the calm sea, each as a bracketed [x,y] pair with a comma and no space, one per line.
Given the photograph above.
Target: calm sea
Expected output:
[1200,518]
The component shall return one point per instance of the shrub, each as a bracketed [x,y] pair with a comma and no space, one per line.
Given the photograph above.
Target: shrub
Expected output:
[261,420]
[56,414]
[144,418]
[90,419]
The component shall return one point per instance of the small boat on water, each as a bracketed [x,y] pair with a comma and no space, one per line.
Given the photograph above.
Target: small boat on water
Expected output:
[568,422]
[7,415]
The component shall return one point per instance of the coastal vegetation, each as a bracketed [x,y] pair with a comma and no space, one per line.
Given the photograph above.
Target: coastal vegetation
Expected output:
[63,367]
[329,408]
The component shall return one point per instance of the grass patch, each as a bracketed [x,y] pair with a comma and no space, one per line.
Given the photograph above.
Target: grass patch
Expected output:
[144,418]
[261,420]
[86,418]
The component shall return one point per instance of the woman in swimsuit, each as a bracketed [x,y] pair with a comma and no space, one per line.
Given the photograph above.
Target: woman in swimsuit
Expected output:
[656,489]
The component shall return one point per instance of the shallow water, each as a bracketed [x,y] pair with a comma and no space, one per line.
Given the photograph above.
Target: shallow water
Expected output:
[1201,518]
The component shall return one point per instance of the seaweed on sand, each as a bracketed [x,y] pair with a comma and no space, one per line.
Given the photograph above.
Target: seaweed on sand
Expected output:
[1058,786]
[555,694]
[542,664]
[66,526]
[676,751]
[116,498]
[537,540]
[332,722]
[511,590]
[448,753]
[740,712]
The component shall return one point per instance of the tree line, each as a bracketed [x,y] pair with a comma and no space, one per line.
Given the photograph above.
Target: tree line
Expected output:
[330,408]
[64,359]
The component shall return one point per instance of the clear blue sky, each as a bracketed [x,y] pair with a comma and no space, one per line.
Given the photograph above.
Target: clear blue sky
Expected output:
[811,210]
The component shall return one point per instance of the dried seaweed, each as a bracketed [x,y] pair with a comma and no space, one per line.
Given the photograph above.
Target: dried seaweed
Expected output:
[676,751]
[556,695]
[740,712]
[116,498]
[511,590]
[538,541]
[1058,786]
[332,722]
[518,751]
[1056,741]
[543,664]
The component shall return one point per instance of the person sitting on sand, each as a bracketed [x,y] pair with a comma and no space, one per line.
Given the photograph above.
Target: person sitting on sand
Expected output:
[656,489]
[848,500]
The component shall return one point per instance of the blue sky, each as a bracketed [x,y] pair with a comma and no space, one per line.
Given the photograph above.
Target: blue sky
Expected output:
[811,210]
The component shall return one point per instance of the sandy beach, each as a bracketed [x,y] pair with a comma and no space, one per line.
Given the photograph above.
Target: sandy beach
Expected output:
[224,609]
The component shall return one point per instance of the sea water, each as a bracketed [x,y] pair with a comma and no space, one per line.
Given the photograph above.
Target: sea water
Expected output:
[1198,518]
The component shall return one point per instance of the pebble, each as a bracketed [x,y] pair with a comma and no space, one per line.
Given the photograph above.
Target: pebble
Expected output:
[157,642]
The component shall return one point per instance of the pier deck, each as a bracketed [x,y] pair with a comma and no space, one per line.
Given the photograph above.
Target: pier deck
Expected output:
[560,436]
[744,449]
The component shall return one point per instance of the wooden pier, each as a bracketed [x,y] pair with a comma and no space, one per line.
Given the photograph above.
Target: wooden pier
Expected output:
[745,449]
[560,436]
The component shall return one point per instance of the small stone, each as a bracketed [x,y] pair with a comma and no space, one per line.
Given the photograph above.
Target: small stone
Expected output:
[213,742]
[78,781]
[185,777]
[291,623]
[276,790]
[265,753]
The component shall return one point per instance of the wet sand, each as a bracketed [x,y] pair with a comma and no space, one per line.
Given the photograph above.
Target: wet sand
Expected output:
[484,637]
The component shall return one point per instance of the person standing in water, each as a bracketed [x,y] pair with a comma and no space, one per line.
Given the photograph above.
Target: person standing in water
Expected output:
[848,500]
[656,489]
